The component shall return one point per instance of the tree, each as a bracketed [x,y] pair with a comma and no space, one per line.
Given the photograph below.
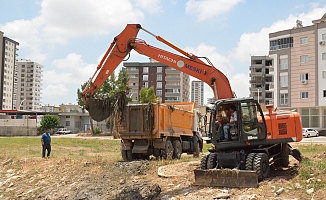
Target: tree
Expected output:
[49,122]
[147,95]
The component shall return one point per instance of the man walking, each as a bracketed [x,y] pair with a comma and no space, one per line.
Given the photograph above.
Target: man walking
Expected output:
[46,143]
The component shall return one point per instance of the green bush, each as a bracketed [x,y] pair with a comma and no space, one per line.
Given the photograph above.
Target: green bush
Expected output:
[97,130]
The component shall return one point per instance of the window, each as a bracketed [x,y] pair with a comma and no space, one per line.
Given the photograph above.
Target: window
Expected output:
[304,95]
[158,92]
[145,84]
[159,85]
[303,59]
[145,77]
[159,69]
[145,70]
[284,81]
[283,63]
[324,74]
[159,77]
[303,40]
[323,56]
[284,97]
[67,123]
[304,77]
[324,93]
[323,37]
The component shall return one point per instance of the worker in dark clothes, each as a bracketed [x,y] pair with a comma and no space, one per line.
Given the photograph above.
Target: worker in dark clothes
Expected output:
[46,143]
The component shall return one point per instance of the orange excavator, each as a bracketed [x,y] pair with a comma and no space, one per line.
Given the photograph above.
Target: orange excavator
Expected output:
[241,153]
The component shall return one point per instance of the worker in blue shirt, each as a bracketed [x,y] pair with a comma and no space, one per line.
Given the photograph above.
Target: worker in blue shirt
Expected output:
[46,143]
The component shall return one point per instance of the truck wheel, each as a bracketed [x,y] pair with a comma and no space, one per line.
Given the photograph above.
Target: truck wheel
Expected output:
[126,155]
[177,149]
[250,161]
[168,152]
[203,162]
[261,166]
[285,155]
[212,161]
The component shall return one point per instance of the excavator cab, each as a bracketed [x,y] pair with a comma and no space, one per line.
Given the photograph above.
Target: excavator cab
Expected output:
[249,125]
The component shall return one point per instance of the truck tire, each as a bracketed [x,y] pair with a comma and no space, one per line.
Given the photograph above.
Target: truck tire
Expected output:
[203,162]
[177,149]
[212,161]
[168,151]
[250,161]
[126,155]
[261,166]
[285,155]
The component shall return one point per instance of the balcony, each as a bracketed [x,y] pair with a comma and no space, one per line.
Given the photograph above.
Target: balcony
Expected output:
[255,81]
[255,66]
[170,86]
[177,78]
[283,46]
[134,71]
[136,79]
[171,94]
[172,71]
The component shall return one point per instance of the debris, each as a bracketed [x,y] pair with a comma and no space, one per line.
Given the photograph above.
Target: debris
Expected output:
[7,162]
[253,197]
[297,186]
[140,191]
[310,191]
[279,191]
[221,196]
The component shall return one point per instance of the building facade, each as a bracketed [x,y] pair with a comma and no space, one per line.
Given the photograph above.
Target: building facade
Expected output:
[27,88]
[170,85]
[197,92]
[261,79]
[8,54]
[299,65]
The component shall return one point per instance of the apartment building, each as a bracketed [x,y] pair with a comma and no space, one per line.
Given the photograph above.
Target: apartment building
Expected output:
[299,65]
[27,87]
[8,54]
[261,79]
[197,92]
[170,85]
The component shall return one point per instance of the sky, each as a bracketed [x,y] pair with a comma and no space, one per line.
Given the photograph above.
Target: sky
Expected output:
[69,38]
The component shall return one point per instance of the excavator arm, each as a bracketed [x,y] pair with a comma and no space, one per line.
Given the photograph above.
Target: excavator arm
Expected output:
[188,63]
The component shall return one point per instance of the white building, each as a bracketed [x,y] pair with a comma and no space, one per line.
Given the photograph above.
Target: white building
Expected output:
[197,92]
[28,81]
[8,54]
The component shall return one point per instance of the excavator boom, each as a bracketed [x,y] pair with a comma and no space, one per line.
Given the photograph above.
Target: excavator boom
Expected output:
[188,63]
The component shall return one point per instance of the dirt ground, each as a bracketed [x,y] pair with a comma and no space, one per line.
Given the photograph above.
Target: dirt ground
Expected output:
[69,179]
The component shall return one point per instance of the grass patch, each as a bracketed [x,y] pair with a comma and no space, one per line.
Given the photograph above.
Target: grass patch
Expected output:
[78,149]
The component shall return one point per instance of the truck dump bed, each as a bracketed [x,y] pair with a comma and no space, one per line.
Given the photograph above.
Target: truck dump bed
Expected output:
[142,121]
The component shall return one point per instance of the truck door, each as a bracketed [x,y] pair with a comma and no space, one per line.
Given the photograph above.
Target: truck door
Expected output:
[249,125]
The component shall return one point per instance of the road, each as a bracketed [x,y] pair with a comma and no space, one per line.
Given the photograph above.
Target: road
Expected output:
[320,139]
[83,137]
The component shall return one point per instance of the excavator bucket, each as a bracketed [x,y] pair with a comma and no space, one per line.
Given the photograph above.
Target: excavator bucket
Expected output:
[226,178]
[98,109]
[101,109]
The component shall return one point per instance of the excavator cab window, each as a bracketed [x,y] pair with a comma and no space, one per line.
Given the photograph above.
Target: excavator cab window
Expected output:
[252,129]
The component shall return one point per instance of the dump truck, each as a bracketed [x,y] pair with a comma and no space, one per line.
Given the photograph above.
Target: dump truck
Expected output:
[164,130]
[253,141]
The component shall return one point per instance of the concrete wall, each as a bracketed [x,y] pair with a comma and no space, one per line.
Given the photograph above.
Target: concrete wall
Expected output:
[18,127]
